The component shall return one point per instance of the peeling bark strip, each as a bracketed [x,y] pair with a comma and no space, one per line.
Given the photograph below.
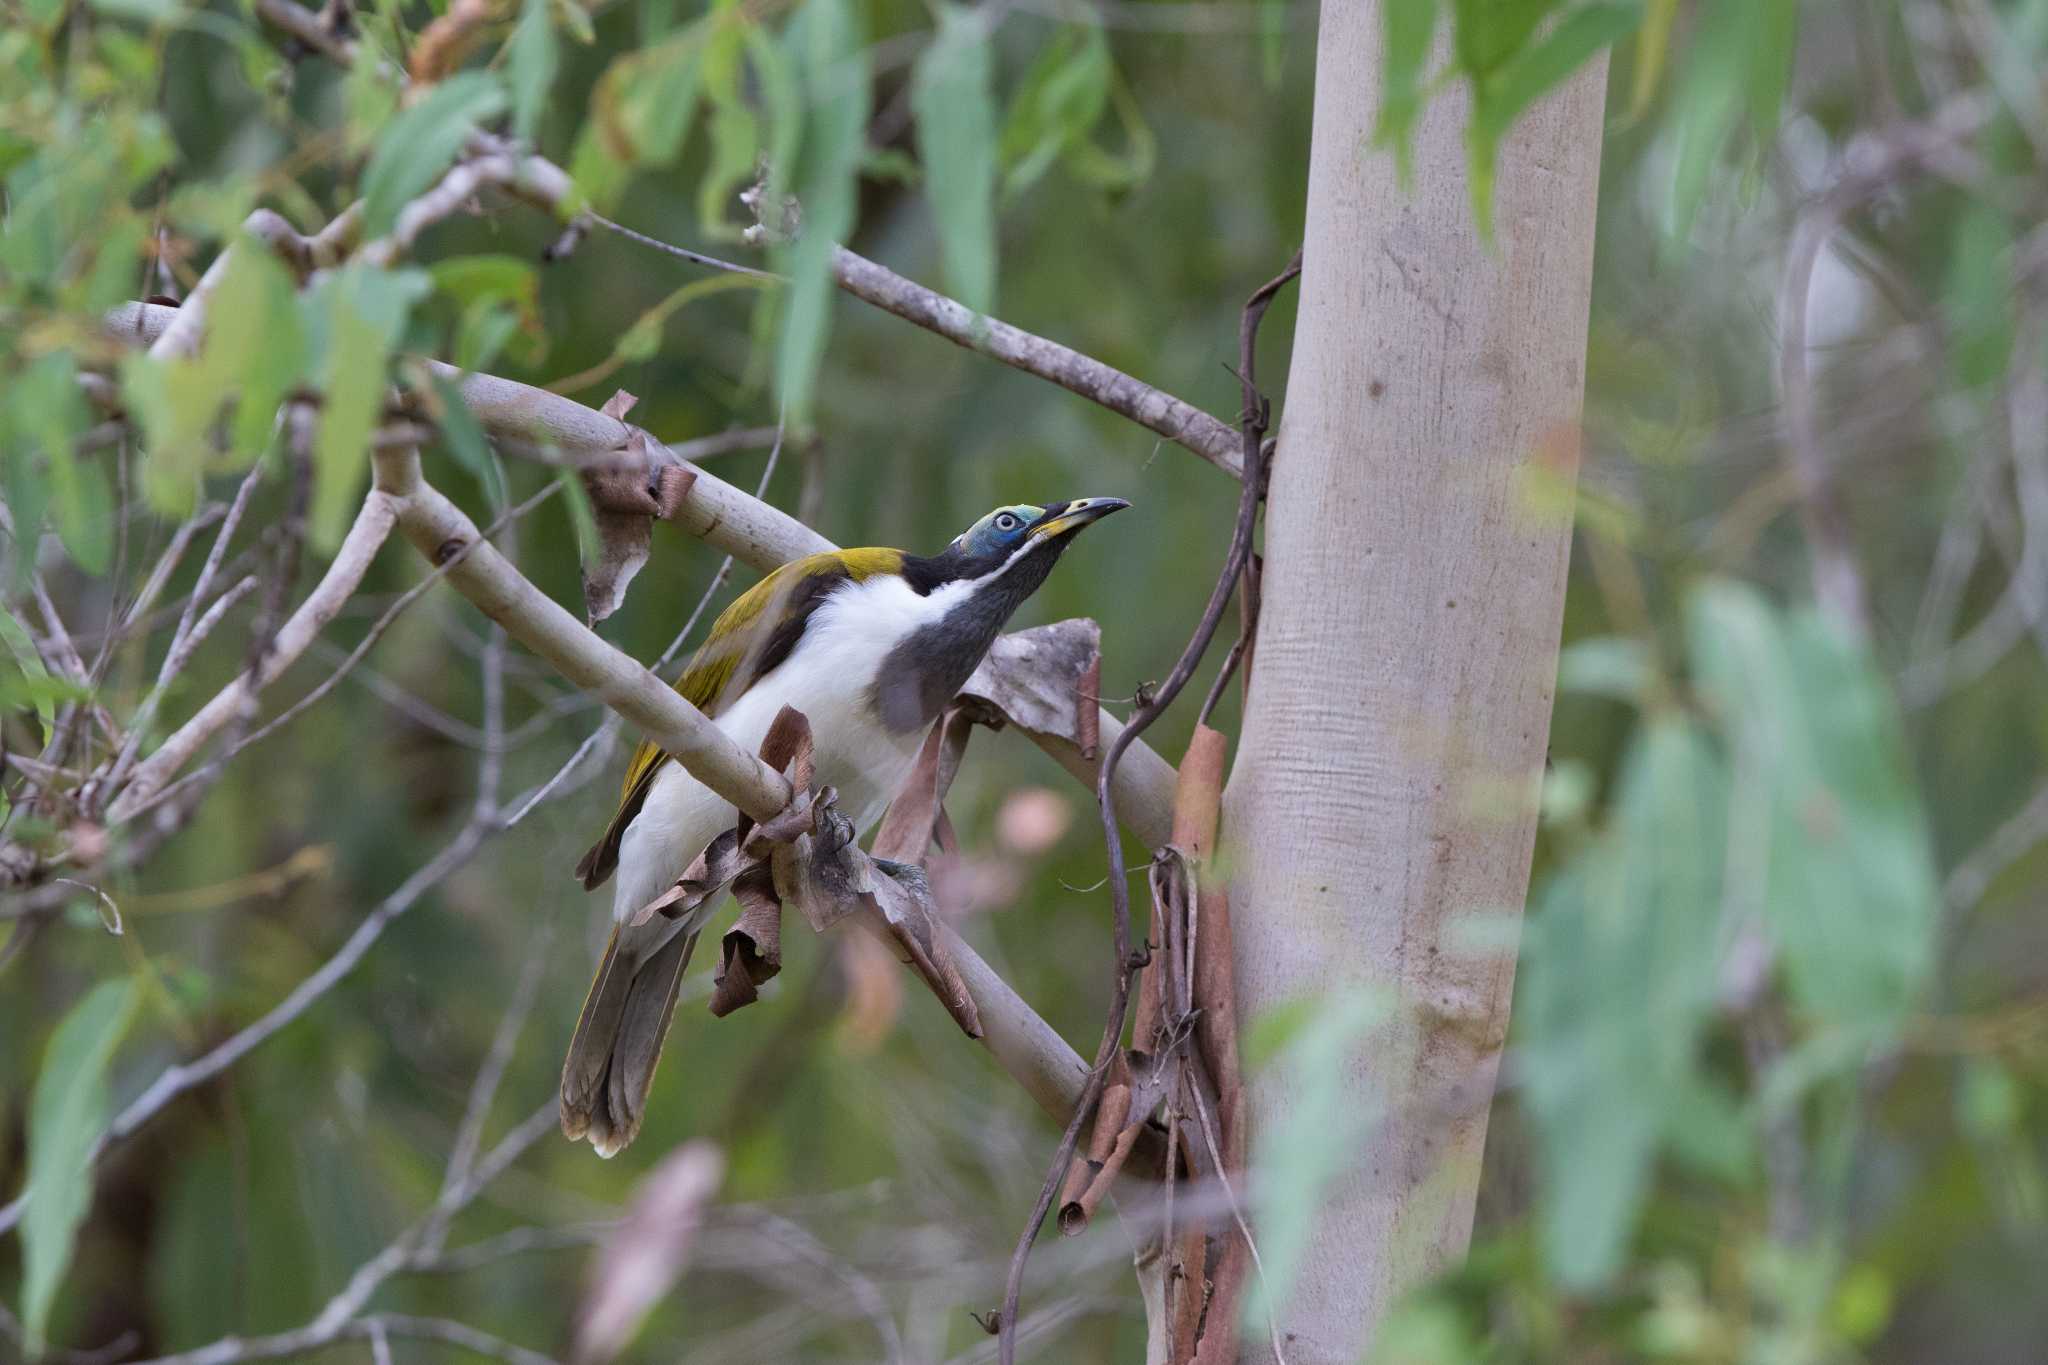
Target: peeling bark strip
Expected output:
[1357,842]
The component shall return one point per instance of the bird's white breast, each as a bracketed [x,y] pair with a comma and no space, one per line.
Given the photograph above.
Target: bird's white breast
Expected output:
[829,677]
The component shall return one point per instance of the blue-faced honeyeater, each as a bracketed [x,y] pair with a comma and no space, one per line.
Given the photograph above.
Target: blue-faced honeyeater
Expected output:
[871,645]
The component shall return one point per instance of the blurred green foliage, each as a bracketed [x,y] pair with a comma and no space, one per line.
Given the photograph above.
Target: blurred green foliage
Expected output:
[1775,1087]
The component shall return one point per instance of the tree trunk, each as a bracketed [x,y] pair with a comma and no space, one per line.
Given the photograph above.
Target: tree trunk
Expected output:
[1416,544]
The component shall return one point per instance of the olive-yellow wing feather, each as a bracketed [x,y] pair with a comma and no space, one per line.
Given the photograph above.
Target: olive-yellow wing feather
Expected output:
[750,638]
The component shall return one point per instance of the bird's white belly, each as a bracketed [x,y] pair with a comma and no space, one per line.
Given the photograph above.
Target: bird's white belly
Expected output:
[828,678]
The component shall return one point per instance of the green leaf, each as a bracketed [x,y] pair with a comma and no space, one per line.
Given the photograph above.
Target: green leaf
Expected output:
[531,56]
[66,1114]
[1850,892]
[28,683]
[951,96]
[1060,100]
[582,518]
[829,50]
[421,143]
[643,106]
[1325,1122]
[1486,33]
[735,127]
[485,278]
[1094,165]
[465,439]
[48,414]
[1527,74]
[1410,27]
[1617,666]
[255,343]
[1741,57]
[363,311]
[1615,989]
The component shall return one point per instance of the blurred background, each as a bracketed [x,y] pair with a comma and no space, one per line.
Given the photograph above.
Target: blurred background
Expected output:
[1777,1087]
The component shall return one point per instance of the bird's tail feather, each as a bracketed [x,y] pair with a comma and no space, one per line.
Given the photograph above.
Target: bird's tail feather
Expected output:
[618,1039]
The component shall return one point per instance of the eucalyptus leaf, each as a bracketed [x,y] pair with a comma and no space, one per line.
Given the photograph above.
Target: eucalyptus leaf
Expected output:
[1523,76]
[951,95]
[531,57]
[1410,28]
[1839,847]
[421,142]
[65,1116]
[828,49]
[1060,100]
[1617,982]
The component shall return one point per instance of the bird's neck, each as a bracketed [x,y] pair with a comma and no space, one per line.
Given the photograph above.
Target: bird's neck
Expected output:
[926,669]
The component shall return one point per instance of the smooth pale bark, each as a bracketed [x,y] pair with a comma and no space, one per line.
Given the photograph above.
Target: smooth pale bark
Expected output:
[1416,545]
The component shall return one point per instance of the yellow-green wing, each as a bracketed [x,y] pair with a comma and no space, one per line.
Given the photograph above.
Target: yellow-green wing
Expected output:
[750,637]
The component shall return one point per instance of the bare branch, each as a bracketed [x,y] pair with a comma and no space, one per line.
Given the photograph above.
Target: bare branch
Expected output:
[1151,408]
[373,523]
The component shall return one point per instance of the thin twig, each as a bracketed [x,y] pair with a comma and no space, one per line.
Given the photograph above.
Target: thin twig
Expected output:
[1255,422]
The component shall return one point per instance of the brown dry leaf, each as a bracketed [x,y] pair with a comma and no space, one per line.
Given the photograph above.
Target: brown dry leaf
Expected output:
[752,949]
[707,876]
[905,904]
[1034,677]
[625,498]
[641,1261]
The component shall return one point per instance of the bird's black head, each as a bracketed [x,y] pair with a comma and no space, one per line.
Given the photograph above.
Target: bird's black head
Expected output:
[1014,546]
[981,578]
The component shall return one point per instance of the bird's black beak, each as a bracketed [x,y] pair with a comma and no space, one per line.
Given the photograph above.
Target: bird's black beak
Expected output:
[1074,515]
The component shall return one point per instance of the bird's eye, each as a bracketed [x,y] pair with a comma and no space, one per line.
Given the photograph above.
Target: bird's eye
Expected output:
[1006,522]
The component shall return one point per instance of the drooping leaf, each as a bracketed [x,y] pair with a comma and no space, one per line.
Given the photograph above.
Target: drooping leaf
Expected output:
[827,48]
[362,311]
[1653,47]
[531,57]
[66,1114]
[582,517]
[46,416]
[255,345]
[1617,982]
[1849,891]
[735,126]
[951,95]
[418,145]
[1410,30]
[1324,1124]
[644,105]
[1487,33]
[1096,165]
[464,436]
[26,682]
[1523,76]
[1740,58]
[1060,100]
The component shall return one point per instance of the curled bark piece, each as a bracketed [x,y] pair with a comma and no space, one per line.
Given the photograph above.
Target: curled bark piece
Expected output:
[1077,1203]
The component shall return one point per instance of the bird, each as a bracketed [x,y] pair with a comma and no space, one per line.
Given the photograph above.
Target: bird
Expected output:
[871,645]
